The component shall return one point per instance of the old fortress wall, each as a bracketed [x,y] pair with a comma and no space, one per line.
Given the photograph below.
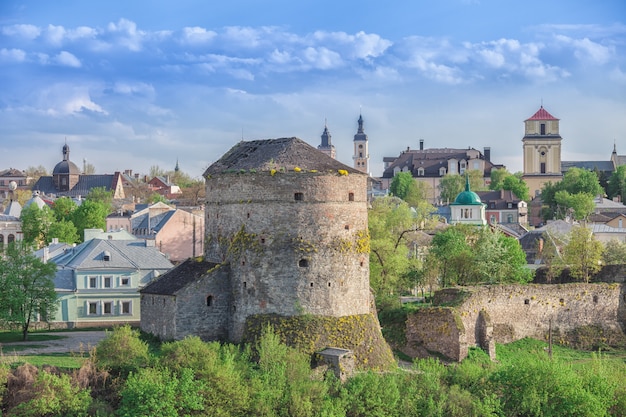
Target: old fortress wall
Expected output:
[296,243]
[482,316]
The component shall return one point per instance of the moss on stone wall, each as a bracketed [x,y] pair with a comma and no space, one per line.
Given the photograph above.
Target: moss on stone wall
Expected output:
[358,333]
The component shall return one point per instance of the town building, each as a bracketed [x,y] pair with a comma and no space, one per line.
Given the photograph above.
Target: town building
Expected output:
[431,164]
[541,150]
[67,181]
[504,208]
[97,282]
[163,186]
[326,146]
[10,224]
[176,232]
[12,179]
[361,154]
[468,208]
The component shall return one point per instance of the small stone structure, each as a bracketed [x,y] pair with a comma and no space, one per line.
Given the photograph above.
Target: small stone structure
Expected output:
[482,316]
[340,360]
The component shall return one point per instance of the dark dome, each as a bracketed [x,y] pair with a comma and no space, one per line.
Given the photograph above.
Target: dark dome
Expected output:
[66,167]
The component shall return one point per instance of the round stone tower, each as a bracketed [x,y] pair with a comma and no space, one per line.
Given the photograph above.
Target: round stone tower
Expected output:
[292,224]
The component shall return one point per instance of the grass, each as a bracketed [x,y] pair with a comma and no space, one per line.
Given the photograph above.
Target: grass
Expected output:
[11,337]
[59,360]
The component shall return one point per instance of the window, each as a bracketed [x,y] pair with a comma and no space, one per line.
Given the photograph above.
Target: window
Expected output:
[543,128]
[11,238]
[92,308]
[209,300]
[107,307]
[492,219]
[303,263]
[442,171]
[509,205]
[351,197]
[420,172]
[360,154]
[108,282]
[360,146]
[543,167]
[125,307]
[93,282]
[298,196]
[125,282]
[509,218]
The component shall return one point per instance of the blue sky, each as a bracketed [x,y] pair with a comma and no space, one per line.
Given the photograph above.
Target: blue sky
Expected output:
[134,84]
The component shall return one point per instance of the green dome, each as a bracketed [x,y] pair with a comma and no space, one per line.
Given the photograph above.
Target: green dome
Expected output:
[467,197]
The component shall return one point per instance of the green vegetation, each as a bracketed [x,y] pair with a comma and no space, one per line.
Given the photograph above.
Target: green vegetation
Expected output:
[267,378]
[501,179]
[571,197]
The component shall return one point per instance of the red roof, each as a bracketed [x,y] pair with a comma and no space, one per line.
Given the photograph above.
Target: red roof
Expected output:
[542,114]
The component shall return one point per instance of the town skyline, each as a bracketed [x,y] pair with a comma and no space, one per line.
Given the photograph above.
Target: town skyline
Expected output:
[151,85]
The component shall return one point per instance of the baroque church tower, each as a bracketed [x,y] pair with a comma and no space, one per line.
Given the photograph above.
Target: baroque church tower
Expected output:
[542,150]
[326,146]
[361,151]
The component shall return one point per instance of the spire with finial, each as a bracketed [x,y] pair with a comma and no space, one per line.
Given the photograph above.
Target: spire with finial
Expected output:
[176,168]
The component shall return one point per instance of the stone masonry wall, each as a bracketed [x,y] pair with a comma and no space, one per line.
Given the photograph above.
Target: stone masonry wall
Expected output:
[160,309]
[437,329]
[296,242]
[195,316]
[507,313]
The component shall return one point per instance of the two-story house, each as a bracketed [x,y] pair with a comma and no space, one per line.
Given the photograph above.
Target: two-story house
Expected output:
[97,282]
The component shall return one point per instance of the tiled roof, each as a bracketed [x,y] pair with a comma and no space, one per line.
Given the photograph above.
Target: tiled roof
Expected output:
[264,155]
[606,166]
[125,254]
[179,277]
[542,114]
[430,160]
[82,188]
[12,172]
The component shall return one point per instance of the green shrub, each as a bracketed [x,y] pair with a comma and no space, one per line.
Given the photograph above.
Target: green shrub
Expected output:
[159,392]
[54,396]
[122,351]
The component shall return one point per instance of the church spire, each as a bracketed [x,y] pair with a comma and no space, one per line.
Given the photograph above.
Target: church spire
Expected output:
[326,146]
[361,152]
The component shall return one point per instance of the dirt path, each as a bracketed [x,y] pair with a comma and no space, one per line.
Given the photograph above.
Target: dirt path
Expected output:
[70,342]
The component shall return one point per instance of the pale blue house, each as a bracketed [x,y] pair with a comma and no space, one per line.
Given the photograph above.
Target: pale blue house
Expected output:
[97,282]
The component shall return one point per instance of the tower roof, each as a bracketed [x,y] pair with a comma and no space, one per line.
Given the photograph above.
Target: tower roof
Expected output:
[467,197]
[268,154]
[542,114]
[66,166]
[360,133]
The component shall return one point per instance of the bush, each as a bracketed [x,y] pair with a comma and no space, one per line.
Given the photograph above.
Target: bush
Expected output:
[54,395]
[122,351]
[159,392]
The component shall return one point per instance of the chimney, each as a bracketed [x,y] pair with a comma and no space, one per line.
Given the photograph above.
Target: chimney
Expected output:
[487,154]
[421,144]
[46,254]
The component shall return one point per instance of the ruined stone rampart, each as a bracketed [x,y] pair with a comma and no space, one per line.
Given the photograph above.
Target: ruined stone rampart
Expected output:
[505,313]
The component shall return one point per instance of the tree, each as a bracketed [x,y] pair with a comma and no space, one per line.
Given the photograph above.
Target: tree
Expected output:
[34,173]
[400,184]
[501,179]
[36,224]
[614,252]
[64,208]
[102,196]
[26,287]
[64,231]
[90,215]
[583,253]
[452,184]
[88,169]
[617,183]
[390,222]
[499,258]
[452,255]
[575,181]
[579,205]
[194,193]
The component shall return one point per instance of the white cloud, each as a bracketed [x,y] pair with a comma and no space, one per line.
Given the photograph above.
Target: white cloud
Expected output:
[197,35]
[587,50]
[23,31]
[12,55]
[361,45]
[127,34]
[322,58]
[54,34]
[133,88]
[67,59]
[66,99]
